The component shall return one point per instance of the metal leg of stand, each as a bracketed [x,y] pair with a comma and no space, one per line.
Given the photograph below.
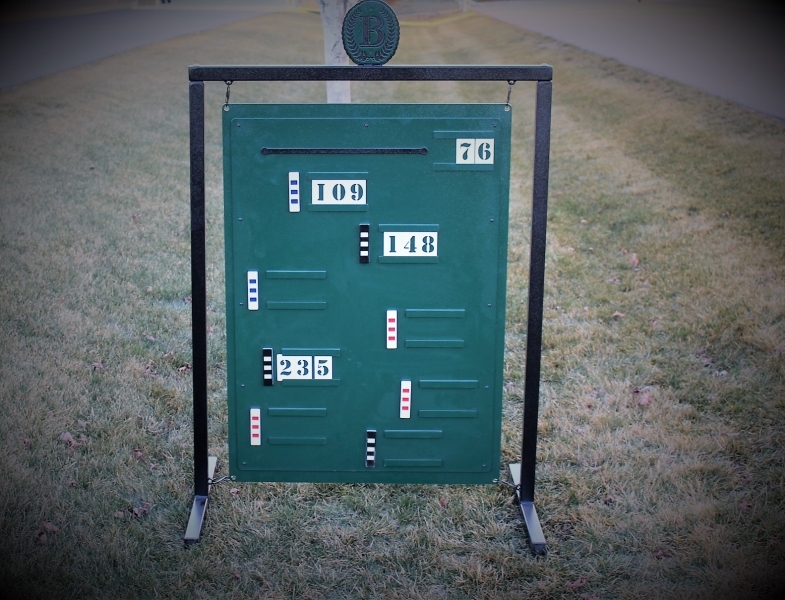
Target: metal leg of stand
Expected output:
[523,473]
[203,466]
[529,513]
[194,528]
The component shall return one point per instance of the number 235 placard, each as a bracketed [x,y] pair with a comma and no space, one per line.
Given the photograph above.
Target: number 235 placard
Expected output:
[304,367]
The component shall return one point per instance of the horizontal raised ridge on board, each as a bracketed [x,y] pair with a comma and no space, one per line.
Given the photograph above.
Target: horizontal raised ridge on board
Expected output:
[435,313]
[412,462]
[297,441]
[412,434]
[310,382]
[285,274]
[295,305]
[434,343]
[449,384]
[447,414]
[311,351]
[283,411]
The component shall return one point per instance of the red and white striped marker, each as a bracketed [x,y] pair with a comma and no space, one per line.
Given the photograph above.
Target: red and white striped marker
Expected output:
[406,399]
[256,427]
[392,329]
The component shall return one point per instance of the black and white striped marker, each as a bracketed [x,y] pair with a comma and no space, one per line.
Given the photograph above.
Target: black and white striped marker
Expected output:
[365,244]
[267,365]
[370,448]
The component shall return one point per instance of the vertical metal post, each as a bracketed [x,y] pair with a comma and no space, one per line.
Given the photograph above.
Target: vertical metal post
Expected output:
[542,139]
[198,311]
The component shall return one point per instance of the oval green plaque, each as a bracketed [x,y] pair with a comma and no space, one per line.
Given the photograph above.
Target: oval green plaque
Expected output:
[370,33]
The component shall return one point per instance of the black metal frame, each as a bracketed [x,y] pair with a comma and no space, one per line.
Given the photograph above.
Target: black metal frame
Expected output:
[543,75]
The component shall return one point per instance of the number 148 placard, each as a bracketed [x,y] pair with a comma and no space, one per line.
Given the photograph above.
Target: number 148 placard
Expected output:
[411,243]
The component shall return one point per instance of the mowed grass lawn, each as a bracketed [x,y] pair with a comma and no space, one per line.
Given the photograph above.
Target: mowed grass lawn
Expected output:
[661,456]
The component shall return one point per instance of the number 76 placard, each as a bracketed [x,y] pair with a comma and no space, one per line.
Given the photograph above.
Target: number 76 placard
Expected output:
[474,151]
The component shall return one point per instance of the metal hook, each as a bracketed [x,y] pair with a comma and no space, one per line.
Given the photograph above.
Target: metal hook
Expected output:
[508,484]
[221,479]
[510,83]
[226,102]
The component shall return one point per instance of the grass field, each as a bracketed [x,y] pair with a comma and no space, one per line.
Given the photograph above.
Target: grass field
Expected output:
[661,468]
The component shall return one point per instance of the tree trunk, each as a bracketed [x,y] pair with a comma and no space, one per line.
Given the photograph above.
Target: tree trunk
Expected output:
[333,12]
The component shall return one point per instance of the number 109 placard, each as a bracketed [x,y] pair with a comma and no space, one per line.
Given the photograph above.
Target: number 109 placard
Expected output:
[338,191]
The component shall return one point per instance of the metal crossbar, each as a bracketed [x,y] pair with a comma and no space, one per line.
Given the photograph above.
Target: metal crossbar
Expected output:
[198,73]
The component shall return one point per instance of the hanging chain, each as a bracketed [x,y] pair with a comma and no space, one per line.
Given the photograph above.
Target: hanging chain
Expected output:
[229,84]
[221,479]
[517,488]
[510,83]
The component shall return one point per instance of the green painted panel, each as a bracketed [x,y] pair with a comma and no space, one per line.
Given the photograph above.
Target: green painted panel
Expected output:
[323,248]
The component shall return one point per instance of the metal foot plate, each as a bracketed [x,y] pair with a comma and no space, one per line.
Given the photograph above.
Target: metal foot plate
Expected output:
[529,513]
[198,509]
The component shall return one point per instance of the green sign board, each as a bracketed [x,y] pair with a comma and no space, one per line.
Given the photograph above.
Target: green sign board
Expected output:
[366,255]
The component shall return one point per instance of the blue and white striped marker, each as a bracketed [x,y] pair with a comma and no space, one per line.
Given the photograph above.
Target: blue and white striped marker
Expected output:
[294,191]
